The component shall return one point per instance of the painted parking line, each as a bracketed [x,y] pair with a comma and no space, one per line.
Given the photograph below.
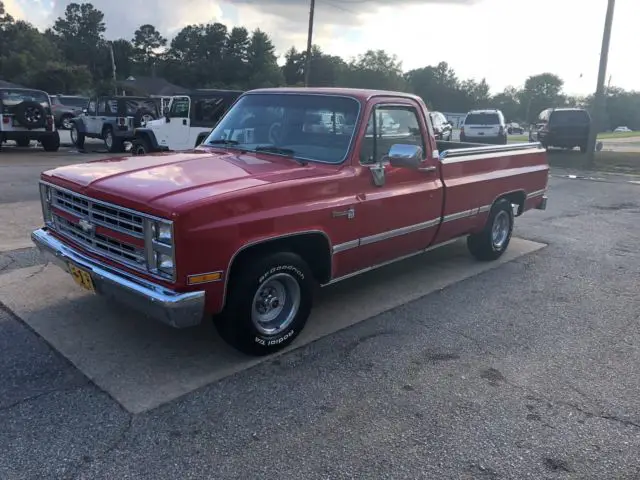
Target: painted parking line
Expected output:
[143,364]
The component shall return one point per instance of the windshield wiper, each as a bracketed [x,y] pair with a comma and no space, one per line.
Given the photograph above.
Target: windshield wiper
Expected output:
[279,151]
[222,141]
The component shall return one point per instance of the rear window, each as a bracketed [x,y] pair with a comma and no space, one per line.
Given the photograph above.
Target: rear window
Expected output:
[133,106]
[73,101]
[569,117]
[14,97]
[482,119]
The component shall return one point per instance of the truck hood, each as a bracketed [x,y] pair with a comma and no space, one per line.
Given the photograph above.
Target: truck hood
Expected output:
[160,184]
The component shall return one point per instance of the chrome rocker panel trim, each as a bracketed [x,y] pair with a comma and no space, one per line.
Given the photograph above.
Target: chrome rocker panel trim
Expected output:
[178,310]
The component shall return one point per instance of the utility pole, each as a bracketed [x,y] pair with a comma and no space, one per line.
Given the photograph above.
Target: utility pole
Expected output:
[307,67]
[598,98]
[113,68]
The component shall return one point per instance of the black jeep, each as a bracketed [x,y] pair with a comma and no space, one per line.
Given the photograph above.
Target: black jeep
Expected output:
[113,119]
[26,115]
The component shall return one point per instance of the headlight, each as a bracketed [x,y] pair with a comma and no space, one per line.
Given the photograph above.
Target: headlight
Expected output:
[160,252]
[164,233]
[45,200]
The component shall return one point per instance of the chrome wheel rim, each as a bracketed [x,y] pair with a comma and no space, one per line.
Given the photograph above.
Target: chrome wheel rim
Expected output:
[74,135]
[275,304]
[108,140]
[66,123]
[500,230]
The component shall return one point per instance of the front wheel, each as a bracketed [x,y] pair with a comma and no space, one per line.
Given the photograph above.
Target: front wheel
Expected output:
[111,142]
[494,238]
[268,304]
[140,146]
[77,138]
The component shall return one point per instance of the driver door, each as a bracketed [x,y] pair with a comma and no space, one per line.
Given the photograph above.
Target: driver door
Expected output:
[90,118]
[178,125]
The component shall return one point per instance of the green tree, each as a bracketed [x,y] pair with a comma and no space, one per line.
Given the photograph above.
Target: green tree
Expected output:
[235,58]
[540,92]
[146,42]
[509,103]
[5,18]
[374,69]
[263,66]
[81,35]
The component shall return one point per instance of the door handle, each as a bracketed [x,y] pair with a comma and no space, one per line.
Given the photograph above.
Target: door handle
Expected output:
[184,121]
[427,169]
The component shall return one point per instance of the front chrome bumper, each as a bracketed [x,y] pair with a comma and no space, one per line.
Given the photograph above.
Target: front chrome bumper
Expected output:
[178,310]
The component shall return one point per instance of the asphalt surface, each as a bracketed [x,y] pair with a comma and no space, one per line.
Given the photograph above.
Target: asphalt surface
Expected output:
[528,371]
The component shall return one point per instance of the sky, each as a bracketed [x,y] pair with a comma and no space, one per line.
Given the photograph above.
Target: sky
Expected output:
[504,41]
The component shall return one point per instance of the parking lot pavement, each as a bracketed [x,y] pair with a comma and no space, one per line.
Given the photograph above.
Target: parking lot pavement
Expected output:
[524,371]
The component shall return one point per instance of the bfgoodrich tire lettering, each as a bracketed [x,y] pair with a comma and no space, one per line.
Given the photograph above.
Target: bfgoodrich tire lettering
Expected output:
[269,302]
[494,238]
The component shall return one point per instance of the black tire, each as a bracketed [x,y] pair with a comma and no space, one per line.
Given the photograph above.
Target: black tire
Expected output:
[140,146]
[236,324]
[65,122]
[112,143]
[30,114]
[77,137]
[583,149]
[486,246]
[23,142]
[51,143]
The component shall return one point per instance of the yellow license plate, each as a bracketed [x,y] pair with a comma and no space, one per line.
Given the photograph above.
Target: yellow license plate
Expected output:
[82,277]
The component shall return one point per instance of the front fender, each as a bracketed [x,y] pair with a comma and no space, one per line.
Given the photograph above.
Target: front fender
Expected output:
[148,135]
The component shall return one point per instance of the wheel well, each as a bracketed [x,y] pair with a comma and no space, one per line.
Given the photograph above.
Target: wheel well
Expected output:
[107,127]
[516,198]
[312,247]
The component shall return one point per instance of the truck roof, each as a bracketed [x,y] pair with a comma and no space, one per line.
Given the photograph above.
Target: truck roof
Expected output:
[361,94]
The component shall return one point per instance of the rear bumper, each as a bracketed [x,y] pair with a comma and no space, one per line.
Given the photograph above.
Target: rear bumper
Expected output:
[178,310]
[543,203]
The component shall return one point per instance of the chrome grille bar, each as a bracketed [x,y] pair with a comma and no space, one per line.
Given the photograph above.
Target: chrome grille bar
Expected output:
[99,213]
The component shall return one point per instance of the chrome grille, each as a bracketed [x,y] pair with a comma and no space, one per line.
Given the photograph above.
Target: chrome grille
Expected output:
[109,247]
[99,213]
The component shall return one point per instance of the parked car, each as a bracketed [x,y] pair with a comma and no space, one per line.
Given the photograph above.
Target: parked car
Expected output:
[623,129]
[244,226]
[113,120]
[564,128]
[442,128]
[25,116]
[515,129]
[188,121]
[484,126]
[65,108]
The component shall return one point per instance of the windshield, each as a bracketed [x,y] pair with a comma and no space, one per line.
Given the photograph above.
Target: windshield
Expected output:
[13,97]
[569,117]
[482,119]
[308,127]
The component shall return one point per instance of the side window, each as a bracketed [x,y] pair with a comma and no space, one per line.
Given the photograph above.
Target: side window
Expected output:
[102,106]
[112,107]
[91,107]
[393,125]
[179,107]
[207,110]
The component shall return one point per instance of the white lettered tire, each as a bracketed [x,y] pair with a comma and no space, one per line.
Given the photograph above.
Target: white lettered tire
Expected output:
[268,303]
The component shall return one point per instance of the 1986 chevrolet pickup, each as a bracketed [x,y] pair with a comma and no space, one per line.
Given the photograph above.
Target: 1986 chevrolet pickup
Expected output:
[293,188]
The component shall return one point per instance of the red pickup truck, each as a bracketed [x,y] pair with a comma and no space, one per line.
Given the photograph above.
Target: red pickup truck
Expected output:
[293,187]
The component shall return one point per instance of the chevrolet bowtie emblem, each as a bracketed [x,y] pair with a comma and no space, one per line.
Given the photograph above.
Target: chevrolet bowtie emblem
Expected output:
[85,225]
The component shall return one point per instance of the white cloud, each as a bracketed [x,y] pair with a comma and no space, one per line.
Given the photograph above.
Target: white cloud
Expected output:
[502,40]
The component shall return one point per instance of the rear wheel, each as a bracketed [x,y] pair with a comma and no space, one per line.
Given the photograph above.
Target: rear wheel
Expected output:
[65,122]
[51,143]
[111,142]
[268,304]
[493,240]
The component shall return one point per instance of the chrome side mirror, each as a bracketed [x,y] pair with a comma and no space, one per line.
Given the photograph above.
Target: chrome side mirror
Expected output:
[405,156]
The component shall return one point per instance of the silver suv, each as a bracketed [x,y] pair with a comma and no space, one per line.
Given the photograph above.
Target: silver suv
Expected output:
[26,115]
[484,126]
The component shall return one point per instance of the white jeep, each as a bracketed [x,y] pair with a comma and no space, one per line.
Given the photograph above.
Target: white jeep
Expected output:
[186,123]
[25,115]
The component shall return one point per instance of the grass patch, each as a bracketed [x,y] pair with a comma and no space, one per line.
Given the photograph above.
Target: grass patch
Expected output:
[602,136]
[606,161]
